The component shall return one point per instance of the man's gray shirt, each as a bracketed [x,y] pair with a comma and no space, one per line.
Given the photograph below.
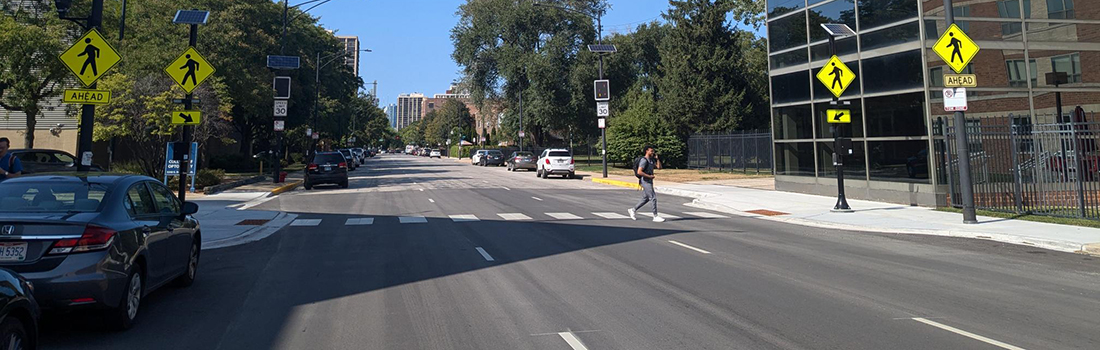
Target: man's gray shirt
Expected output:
[647,167]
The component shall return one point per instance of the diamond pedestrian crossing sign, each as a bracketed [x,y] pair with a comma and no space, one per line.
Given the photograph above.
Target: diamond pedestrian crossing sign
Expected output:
[186,117]
[90,57]
[956,48]
[189,70]
[836,76]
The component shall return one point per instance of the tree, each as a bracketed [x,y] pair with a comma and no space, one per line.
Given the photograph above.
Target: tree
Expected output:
[31,38]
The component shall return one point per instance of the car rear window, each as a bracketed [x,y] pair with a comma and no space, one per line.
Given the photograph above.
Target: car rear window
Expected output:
[328,158]
[496,153]
[51,197]
[559,154]
[525,154]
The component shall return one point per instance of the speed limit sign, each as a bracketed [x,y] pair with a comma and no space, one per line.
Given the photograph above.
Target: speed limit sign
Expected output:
[280,108]
[602,109]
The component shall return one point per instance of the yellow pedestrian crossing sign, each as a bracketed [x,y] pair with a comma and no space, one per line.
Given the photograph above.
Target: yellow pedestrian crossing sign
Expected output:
[836,76]
[955,48]
[186,117]
[189,70]
[90,57]
[838,116]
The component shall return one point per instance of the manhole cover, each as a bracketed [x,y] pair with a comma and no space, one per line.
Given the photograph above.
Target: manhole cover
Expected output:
[252,222]
[767,212]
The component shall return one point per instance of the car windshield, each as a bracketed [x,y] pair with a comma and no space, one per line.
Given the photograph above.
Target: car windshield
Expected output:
[50,197]
[559,154]
[328,158]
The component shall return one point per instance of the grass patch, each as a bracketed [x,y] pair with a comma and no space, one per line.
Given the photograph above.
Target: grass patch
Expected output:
[1031,217]
[678,175]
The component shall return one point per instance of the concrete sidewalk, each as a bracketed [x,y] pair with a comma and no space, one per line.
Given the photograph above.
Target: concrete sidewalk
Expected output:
[868,216]
[225,222]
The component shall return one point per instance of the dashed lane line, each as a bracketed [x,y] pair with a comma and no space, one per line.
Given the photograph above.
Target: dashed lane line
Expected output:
[485,254]
[967,334]
[689,247]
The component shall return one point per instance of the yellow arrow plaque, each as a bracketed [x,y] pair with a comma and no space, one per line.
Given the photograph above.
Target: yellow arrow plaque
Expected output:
[186,117]
[838,116]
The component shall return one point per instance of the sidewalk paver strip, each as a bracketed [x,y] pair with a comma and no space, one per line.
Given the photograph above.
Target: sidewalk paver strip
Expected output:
[766,212]
[252,222]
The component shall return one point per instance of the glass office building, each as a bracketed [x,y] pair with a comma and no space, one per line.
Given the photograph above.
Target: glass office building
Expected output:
[897,96]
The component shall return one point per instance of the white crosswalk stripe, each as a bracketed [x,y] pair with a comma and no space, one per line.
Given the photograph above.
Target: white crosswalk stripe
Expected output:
[464,218]
[514,216]
[306,222]
[606,215]
[359,222]
[663,215]
[412,220]
[564,216]
[706,215]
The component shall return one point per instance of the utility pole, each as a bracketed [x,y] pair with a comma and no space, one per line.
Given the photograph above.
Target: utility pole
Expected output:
[962,148]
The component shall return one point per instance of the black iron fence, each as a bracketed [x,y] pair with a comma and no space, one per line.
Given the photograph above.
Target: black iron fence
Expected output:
[749,151]
[1018,167]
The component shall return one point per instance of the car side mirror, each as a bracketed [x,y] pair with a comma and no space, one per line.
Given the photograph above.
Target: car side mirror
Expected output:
[190,208]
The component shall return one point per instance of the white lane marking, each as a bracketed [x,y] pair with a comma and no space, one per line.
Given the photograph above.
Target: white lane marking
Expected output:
[514,216]
[564,216]
[537,198]
[485,254]
[306,222]
[412,220]
[966,334]
[464,218]
[359,222]
[431,200]
[689,247]
[611,215]
[572,340]
[663,215]
[507,189]
[421,190]
[706,215]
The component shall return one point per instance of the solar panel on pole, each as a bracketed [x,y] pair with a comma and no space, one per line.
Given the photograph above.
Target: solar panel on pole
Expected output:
[191,17]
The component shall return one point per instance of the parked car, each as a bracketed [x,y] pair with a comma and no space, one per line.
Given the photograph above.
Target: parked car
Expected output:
[424,152]
[521,160]
[18,312]
[326,168]
[46,161]
[475,158]
[492,157]
[103,241]
[360,155]
[352,164]
[435,154]
[555,162]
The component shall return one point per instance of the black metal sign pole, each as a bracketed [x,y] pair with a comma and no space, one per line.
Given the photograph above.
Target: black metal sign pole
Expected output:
[838,146]
[87,111]
[966,184]
[185,164]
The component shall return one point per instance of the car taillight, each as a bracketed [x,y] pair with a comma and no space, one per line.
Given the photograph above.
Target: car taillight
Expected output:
[517,158]
[312,167]
[343,165]
[94,238]
[547,160]
[570,160]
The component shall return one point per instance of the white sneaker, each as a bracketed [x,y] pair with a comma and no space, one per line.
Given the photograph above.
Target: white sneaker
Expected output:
[658,219]
[631,212]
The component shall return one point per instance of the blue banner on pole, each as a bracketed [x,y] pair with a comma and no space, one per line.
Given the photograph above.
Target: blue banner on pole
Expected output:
[172,166]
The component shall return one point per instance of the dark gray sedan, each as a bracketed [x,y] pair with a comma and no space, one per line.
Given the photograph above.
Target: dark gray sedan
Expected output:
[522,160]
[101,241]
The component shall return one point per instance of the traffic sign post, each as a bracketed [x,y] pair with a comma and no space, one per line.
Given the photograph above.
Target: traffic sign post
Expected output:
[838,116]
[280,108]
[603,109]
[189,70]
[186,118]
[960,80]
[836,77]
[102,58]
[957,50]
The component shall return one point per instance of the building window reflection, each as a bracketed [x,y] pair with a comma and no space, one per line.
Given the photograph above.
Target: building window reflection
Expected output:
[1069,64]
[1017,73]
[1060,9]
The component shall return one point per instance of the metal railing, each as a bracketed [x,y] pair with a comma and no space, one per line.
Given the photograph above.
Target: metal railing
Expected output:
[749,151]
[1023,168]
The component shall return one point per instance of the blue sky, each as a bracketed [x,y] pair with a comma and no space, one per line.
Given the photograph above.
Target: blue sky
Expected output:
[411,38]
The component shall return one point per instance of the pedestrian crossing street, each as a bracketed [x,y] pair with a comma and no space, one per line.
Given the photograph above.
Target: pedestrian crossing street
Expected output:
[365,221]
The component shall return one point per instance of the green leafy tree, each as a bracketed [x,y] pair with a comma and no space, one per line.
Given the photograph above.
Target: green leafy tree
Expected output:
[31,38]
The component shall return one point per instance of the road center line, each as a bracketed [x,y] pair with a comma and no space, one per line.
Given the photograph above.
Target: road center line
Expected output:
[966,334]
[689,247]
[537,198]
[572,340]
[507,189]
[485,254]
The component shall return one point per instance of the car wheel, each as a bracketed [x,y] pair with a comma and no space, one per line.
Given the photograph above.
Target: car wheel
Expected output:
[123,316]
[545,174]
[571,176]
[344,184]
[14,335]
[188,278]
[308,186]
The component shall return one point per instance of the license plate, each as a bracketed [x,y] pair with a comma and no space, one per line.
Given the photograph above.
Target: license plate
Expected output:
[13,251]
[561,161]
[328,168]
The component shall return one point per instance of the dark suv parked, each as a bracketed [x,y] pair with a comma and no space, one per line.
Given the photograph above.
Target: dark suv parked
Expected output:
[327,168]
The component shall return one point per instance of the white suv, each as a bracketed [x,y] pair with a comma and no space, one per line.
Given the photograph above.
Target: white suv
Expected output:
[555,161]
[476,156]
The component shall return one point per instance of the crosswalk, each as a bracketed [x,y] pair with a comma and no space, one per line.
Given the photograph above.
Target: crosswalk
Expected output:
[365,221]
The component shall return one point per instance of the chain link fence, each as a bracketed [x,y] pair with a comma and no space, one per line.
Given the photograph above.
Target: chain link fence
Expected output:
[747,151]
[1024,168]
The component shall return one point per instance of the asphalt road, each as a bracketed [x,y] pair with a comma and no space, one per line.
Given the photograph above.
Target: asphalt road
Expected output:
[527,263]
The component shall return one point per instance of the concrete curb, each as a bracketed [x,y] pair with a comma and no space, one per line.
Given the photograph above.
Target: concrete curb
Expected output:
[284,188]
[659,189]
[617,183]
[209,190]
[254,234]
[1062,246]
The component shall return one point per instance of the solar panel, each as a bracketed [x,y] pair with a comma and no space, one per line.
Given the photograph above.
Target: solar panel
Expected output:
[283,62]
[840,30]
[602,48]
[191,17]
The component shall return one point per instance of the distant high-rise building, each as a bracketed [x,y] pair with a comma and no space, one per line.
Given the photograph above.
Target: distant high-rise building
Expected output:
[409,109]
[391,114]
[351,47]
